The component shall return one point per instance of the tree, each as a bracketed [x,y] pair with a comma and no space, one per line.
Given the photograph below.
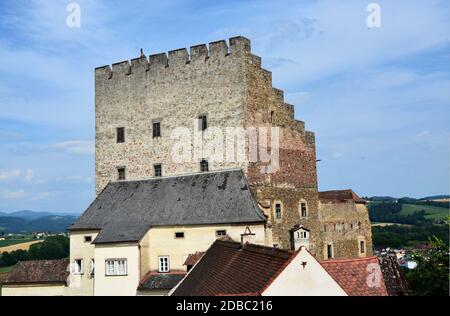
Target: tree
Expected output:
[431,276]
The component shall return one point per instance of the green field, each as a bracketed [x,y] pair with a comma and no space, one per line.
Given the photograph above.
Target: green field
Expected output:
[432,212]
[11,242]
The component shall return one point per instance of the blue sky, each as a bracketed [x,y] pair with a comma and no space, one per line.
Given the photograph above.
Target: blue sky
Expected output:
[378,99]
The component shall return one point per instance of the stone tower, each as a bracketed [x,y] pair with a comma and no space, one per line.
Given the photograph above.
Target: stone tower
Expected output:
[145,100]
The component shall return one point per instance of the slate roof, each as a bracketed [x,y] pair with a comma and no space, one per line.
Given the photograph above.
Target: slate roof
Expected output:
[38,272]
[160,281]
[125,210]
[352,275]
[228,268]
[340,196]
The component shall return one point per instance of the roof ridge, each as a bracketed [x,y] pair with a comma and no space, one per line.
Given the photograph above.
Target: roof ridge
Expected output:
[348,260]
[183,175]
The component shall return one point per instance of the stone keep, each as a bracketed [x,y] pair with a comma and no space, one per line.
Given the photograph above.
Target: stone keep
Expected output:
[226,83]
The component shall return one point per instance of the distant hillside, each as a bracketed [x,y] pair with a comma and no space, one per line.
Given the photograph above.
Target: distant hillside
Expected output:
[436,197]
[34,222]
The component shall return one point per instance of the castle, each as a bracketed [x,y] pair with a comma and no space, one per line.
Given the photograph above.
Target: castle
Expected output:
[227,85]
[154,210]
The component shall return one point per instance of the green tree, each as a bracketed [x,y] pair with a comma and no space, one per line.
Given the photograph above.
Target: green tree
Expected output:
[431,276]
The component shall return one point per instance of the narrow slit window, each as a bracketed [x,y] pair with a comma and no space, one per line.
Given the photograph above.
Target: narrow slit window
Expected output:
[330,251]
[156,129]
[121,135]
[202,122]
[278,211]
[362,247]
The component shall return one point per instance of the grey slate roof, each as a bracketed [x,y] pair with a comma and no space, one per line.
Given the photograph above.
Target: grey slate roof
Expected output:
[161,281]
[125,210]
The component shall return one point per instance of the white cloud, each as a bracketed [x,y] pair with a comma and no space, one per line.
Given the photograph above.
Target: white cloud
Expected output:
[8,175]
[77,147]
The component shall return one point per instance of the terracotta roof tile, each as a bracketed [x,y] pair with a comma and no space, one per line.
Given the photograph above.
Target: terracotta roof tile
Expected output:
[340,196]
[38,272]
[227,268]
[192,259]
[354,276]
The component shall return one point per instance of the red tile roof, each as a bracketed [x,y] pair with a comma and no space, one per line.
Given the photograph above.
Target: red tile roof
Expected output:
[340,196]
[228,268]
[192,259]
[38,272]
[354,276]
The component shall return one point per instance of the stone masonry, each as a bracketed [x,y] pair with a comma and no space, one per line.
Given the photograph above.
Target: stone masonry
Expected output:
[228,85]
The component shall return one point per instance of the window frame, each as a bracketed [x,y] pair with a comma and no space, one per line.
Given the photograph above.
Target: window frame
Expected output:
[219,233]
[275,204]
[202,122]
[161,264]
[330,251]
[160,170]
[305,204]
[115,262]
[120,140]
[119,169]
[79,271]
[178,233]
[156,130]
[202,164]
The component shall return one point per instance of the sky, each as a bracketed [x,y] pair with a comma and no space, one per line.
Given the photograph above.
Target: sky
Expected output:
[378,99]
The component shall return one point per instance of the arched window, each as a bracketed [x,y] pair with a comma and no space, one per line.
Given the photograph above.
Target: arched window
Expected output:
[303,208]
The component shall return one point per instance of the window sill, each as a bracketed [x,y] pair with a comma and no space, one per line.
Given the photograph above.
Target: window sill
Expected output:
[118,275]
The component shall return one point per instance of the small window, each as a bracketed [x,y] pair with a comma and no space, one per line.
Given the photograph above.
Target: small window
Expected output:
[362,247]
[221,233]
[158,170]
[116,267]
[330,251]
[204,166]
[121,174]
[179,235]
[121,135]
[87,238]
[202,122]
[303,210]
[156,129]
[78,266]
[164,264]
[278,210]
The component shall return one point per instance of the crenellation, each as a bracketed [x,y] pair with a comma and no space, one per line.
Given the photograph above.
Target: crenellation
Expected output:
[121,68]
[299,126]
[255,60]
[103,73]
[159,60]
[290,109]
[218,49]
[310,138]
[178,57]
[240,44]
[199,53]
[140,64]
[279,95]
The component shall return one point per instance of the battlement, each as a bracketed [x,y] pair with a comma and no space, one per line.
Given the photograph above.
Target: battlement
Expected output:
[238,46]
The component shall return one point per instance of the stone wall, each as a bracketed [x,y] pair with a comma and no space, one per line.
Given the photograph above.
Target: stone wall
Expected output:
[227,83]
